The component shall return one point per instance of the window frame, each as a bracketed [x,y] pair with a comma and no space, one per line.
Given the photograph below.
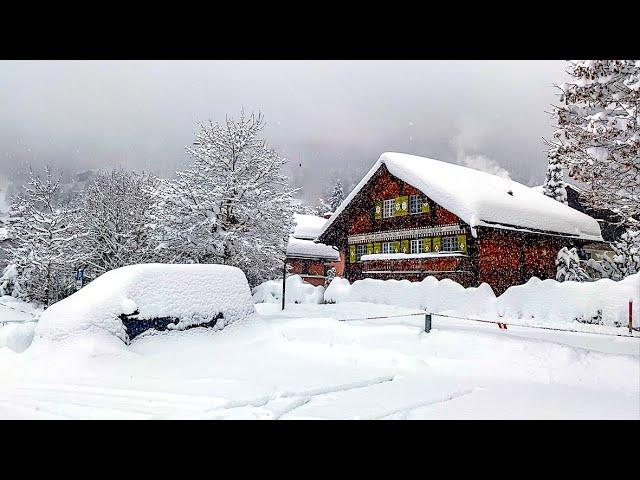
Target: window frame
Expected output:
[445,241]
[389,250]
[391,202]
[414,199]
[419,244]
[361,249]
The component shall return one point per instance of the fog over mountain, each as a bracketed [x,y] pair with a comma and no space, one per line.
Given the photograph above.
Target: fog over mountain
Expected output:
[329,118]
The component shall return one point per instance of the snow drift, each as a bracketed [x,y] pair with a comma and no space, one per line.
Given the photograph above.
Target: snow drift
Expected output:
[536,302]
[194,294]
[298,291]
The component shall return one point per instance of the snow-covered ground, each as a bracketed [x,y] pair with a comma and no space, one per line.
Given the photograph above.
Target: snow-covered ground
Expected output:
[305,363]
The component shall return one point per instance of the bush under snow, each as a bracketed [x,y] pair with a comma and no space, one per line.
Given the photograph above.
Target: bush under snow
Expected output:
[195,294]
[297,291]
[603,301]
[538,301]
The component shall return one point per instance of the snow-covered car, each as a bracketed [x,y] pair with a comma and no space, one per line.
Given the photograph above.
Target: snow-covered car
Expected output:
[130,300]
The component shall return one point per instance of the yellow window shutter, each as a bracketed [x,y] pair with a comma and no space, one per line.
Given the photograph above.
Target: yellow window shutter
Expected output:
[426,245]
[352,254]
[462,243]
[395,246]
[378,210]
[369,248]
[404,246]
[402,206]
[377,247]
[425,205]
[436,244]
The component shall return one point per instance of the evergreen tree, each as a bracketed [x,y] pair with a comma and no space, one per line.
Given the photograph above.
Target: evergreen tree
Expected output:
[626,258]
[598,134]
[568,266]
[554,185]
[231,206]
[336,196]
[43,228]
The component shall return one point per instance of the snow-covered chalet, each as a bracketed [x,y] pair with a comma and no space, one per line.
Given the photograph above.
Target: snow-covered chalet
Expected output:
[307,258]
[411,217]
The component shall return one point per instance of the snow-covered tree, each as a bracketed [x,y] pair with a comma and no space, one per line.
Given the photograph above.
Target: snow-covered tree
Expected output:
[42,255]
[568,266]
[554,185]
[626,257]
[598,133]
[231,206]
[336,196]
[113,215]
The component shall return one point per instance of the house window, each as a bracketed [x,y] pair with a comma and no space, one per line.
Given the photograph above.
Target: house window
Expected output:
[416,246]
[415,204]
[450,244]
[360,250]
[389,208]
[386,247]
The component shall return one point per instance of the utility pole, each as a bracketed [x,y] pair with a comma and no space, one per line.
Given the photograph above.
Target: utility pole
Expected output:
[284,280]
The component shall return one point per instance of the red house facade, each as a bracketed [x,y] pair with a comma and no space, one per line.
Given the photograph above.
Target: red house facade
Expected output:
[308,258]
[411,217]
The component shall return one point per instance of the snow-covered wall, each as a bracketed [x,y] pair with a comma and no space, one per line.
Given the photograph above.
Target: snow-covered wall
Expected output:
[297,291]
[536,302]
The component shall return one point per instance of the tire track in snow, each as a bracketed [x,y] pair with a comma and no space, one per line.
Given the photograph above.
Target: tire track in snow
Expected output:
[428,403]
[300,398]
[304,399]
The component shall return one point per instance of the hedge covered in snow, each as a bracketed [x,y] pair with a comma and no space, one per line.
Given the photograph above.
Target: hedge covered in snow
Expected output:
[538,301]
[297,291]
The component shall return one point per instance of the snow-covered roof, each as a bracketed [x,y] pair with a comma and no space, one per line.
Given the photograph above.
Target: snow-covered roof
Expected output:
[308,226]
[303,248]
[301,242]
[481,199]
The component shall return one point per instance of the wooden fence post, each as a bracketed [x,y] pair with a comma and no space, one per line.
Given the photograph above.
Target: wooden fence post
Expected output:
[630,317]
[427,322]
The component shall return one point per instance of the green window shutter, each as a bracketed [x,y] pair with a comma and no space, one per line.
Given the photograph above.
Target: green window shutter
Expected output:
[426,245]
[352,254]
[378,211]
[402,206]
[436,244]
[425,205]
[377,247]
[404,246]
[462,243]
[395,246]
[369,248]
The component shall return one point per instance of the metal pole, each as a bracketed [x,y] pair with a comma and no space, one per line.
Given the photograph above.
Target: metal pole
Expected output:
[630,317]
[427,322]
[284,280]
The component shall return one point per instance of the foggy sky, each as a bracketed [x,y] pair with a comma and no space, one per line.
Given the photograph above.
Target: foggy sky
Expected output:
[327,117]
